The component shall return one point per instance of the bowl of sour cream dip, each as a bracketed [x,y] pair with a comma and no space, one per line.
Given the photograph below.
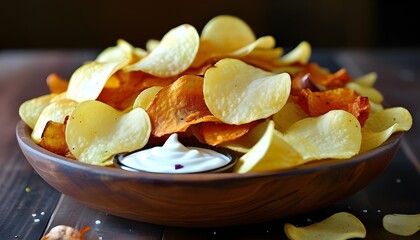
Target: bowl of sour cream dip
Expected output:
[174,157]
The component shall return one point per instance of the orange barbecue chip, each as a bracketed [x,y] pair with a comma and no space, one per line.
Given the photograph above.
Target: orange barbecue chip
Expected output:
[178,106]
[320,77]
[53,138]
[215,133]
[318,103]
[57,84]
[129,87]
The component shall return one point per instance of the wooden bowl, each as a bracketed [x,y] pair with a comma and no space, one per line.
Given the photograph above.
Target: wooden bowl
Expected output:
[207,199]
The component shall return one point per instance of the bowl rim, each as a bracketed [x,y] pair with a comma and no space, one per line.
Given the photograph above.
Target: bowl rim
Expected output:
[25,141]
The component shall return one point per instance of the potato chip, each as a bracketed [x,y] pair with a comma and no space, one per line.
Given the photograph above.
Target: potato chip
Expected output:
[215,133]
[178,106]
[288,115]
[238,93]
[53,138]
[323,79]
[270,153]
[370,92]
[318,103]
[265,54]
[57,84]
[173,55]
[339,226]
[87,81]
[122,52]
[96,131]
[336,134]
[301,54]
[245,143]
[367,80]
[151,44]
[266,42]
[381,125]
[225,33]
[146,97]
[130,85]
[402,224]
[57,112]
[30,110]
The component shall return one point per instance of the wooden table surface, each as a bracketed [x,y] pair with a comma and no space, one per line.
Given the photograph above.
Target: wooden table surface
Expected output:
[29,207]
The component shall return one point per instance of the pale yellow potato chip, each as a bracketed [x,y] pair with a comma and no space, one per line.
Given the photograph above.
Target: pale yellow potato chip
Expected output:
[227,33]
[87,81]
[266,42]
[339,226]
[270,153]
[288,115]
[151,44]
[301,53]
[336,134]
[173,55]
[367,80]
[238,93]
[30,110]
[375,107]
[95,131]
[245,143]
[146,97]
[370,92]
[382,120]
[402,224]
[57,112]
[121,52]
[265,54]
[381,125]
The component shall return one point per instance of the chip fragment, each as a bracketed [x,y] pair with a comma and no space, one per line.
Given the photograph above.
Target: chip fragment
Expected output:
[402,224]
[339,226]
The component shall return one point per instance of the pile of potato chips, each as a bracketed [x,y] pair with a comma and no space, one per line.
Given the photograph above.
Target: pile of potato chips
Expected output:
[223,87]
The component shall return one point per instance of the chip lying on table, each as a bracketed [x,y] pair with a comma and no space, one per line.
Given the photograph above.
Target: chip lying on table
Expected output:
[221,87]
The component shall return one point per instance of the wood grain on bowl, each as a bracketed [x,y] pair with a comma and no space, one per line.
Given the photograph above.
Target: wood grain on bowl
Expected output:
[208,199]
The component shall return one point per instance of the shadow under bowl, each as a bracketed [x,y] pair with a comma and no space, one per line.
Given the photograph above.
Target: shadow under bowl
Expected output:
[208,199]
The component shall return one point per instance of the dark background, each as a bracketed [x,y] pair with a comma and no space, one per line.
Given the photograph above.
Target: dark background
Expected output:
[98,24]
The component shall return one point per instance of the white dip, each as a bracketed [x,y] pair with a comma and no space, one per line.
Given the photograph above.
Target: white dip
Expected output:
[173,157]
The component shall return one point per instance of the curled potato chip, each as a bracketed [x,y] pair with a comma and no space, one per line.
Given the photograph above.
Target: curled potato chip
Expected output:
[245,143]
[173,55]
[87,81]
[266,42]
[30,110]
[226,33]
[53,138]
[288,115]
[96,131]
[238,93]
[146,97]
[301,53]
[121,52]
[151,44]
[178,106]
[57,112]
[336,134]
[370,92]
[381,125]
[339,226]
[57,84]
[320,102]
[367,80]
[402,224]
[215,133]
[270,153]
